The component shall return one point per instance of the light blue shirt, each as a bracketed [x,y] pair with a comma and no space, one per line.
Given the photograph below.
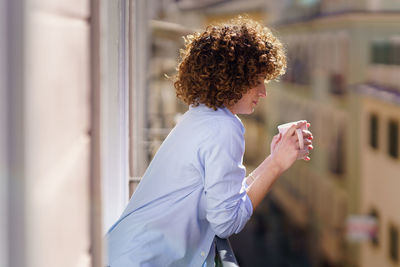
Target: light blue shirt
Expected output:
[192,190]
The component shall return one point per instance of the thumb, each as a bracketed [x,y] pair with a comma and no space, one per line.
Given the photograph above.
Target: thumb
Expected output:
[291,130]
[276,138]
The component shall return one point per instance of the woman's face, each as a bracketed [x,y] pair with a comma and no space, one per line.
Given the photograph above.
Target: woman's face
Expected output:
[250,99]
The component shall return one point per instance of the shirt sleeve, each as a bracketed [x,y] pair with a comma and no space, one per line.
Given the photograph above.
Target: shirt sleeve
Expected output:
[228,207]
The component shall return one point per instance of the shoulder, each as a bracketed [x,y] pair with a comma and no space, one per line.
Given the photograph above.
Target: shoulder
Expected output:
[228,125]
[218,127]
[224,135]
[221,120]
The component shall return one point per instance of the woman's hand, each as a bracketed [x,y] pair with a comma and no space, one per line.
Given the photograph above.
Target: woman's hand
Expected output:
[285,149]
[275,141]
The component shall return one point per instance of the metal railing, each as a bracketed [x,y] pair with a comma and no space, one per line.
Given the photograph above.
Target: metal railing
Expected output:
[225,256]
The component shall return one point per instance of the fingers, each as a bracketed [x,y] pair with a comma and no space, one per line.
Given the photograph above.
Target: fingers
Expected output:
[307,135]
[307,142]
[277,137]
[295,140]
[291,130]
[306,148]
[301,123]
[304,154]
[307,139]
[275,140]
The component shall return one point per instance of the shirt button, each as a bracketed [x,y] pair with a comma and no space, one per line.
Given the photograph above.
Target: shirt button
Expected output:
[202,253]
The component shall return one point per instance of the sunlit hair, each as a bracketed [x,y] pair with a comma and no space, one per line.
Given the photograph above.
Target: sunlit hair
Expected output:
[222,63]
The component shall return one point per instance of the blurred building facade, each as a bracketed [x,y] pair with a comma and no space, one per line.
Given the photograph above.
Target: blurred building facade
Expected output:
[342,58]
[334,49]
[342,77]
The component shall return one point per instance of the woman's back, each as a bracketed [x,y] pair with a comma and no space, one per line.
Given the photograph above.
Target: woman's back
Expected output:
[165,222]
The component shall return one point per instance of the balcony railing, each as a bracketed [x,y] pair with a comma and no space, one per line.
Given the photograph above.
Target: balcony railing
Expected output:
[225,256]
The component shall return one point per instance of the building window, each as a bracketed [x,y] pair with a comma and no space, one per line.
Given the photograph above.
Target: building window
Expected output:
[337,84]
[337,153]
[385,52]
[393,145]
[394,243]
[396,53]
[373,131]
[380,52]
[375,234]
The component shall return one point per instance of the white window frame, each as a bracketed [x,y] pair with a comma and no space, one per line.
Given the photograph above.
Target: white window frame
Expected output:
[139,62]
[124,25]
[114,109]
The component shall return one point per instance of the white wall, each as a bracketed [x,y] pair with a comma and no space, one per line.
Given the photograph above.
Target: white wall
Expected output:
[57,142]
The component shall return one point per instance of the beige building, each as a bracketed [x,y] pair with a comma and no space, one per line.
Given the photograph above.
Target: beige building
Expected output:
[333,46]
[380,172]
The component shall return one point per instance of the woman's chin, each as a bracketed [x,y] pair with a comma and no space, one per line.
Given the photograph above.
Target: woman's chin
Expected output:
[252,108]
[248,112]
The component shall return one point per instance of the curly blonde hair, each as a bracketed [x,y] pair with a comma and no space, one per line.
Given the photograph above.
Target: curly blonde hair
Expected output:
[221,64]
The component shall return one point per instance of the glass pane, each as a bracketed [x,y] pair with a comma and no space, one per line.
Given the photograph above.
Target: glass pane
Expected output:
[394,243]
[393,139]
[375,237]
[373,131]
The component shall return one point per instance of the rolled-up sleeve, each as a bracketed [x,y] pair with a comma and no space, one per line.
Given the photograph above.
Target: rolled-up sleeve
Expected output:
[228,207]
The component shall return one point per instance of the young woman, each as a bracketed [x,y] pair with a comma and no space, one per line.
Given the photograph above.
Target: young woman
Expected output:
[195,187]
